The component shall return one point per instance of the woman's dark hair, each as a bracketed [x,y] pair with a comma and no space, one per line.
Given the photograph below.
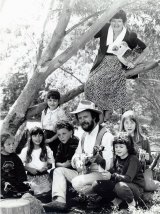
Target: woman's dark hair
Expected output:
[120,15]
[94,115]
[43,155]
[124,138]
[54,94]
[131,115]
[63,124]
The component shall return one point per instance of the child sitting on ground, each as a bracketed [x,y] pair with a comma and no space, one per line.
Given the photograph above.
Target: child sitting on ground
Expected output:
[13,173]
[68,145]
[125,181]
[37,159]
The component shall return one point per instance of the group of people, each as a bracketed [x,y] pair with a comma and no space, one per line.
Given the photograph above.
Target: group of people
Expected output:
[97,163]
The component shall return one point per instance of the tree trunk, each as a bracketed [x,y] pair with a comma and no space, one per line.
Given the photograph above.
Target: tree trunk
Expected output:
[46,66]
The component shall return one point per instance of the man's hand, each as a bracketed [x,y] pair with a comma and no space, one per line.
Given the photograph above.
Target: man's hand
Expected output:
[106,175]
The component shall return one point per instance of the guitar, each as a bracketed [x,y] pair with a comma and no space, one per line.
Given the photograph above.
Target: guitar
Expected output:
[85,160]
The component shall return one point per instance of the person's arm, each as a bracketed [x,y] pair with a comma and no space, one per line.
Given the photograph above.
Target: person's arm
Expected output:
[50,140]
[20,170]
[59,154]
[50,158]
[148,156]
[108,149]
[73,144]
[141,57]
[76,155]
[130,173]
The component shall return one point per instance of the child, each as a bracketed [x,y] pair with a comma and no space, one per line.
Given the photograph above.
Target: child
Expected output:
[125,181]
[68,145]
[50,116]
[37,159]
[12,170]
[130,124]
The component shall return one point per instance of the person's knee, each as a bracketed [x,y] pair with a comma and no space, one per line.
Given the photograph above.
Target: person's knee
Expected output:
[58,171]
[124,192]
[95,187]
[77,184]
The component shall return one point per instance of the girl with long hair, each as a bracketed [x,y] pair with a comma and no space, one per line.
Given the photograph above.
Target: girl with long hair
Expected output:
[130,124]
[37,159]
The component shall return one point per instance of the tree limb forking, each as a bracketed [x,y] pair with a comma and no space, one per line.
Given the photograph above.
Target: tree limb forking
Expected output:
[58,34]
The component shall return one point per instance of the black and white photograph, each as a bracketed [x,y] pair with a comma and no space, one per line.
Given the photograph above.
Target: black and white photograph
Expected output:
[80,106]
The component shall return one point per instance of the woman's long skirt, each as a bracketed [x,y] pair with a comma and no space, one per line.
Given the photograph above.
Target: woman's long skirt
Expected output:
[106,85]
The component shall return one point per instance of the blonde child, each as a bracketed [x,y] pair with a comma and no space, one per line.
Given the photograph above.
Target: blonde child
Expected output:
[13,173]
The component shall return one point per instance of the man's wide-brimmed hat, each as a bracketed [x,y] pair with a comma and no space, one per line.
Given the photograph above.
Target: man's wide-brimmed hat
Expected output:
[86,105]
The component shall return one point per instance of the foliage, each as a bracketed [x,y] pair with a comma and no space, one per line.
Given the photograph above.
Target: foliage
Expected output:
[12,89]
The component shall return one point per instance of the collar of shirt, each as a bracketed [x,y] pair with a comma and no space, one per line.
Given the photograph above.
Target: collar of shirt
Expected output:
[52,111]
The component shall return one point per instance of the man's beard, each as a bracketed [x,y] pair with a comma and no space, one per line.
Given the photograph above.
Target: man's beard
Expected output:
[88,126]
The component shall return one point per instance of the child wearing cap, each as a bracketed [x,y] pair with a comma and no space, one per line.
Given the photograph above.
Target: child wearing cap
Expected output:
[124,181]
[50,116]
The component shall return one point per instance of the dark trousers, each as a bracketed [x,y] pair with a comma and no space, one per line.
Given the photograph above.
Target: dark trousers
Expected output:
[109,190]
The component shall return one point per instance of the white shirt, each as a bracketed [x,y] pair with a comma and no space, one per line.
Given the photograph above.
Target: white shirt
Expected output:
[89,143]
[51,117]
[36,163]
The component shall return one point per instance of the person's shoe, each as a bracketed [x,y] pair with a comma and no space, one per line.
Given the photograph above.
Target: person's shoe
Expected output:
[55,205]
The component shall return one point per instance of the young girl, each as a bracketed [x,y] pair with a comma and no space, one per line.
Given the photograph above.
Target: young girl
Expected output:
[37,159]
[68,145]
[50,116]
[13,173]
[130,124]
[125,181]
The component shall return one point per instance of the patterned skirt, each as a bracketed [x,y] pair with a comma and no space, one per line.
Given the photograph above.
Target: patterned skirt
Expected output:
[106,85]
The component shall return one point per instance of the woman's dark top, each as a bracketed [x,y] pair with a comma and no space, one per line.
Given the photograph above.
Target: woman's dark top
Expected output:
[66,151]
[130,38]
[127,170]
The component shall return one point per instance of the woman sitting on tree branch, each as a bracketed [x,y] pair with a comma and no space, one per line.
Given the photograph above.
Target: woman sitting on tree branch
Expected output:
[106,85]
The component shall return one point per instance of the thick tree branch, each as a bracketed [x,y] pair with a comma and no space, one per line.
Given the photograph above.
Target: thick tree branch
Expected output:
[141,68]
[59,33]
[40,49]
[37,109]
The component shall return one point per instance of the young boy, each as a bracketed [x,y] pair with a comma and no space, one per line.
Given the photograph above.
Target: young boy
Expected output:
[12,171]
[68,145]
